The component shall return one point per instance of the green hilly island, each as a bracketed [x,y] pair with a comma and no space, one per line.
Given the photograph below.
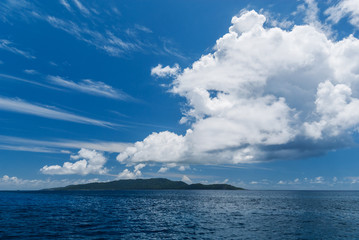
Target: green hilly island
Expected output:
[144,184]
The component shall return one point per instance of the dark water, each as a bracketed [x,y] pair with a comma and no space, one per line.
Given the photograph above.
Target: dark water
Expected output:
[180,215]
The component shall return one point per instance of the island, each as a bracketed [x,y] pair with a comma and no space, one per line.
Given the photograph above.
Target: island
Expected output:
[143,184]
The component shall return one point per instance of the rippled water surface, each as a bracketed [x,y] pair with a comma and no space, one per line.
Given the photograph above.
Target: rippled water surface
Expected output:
[180,215]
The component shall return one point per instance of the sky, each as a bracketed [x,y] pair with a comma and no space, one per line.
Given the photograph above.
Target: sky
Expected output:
[258,94]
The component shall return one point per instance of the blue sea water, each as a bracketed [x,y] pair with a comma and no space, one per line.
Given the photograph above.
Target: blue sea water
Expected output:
[180,215]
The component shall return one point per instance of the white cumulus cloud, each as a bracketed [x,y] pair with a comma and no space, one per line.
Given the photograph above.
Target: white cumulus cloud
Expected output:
[263,94]
[163,170]
[160,71]
[88,162]
[127,174]
[186,179]
[158,147]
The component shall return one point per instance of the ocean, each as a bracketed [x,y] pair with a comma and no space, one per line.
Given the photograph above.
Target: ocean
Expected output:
[181,214]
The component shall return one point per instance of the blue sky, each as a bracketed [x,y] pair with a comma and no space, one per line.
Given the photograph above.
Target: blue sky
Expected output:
[259,94]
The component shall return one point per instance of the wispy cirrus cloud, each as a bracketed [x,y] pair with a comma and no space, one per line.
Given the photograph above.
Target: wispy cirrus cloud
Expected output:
[83,24]
[311,13]
[143,28]
[11,77]
[344,8]
[57,145]
[31,71]
[91,87]
[106,41]
[66,5]
[35,149]
[81,7]
[16,8]
[9,46]
[21,106]
[88,86]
